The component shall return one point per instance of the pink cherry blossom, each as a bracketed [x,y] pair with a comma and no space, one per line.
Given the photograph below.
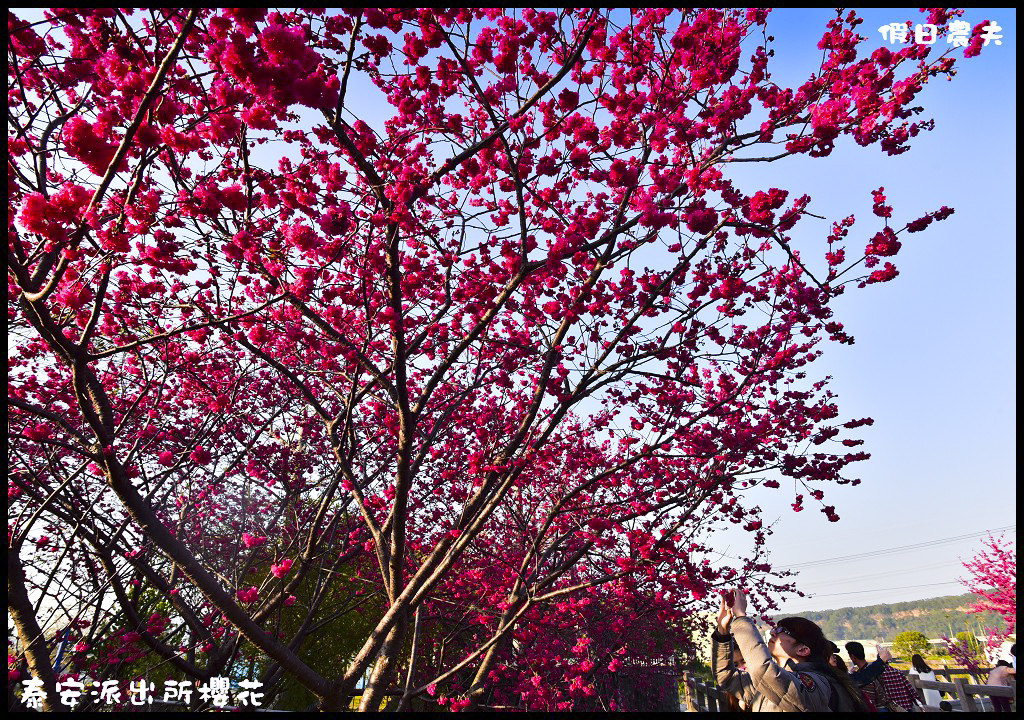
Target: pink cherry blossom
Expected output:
[251,541]
[281,569]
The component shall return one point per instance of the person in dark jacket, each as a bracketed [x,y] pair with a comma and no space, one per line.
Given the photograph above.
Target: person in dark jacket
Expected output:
[789,674]
[885,686]
[866,671]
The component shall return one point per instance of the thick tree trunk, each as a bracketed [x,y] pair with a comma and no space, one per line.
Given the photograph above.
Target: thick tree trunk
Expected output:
[384,672]
[37,654]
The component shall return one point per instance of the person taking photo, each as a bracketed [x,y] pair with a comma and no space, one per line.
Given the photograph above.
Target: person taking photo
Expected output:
[788,674]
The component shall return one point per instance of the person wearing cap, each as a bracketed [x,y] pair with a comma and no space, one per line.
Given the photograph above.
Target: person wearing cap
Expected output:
[837,663]
[833,652]
[833,658]
[788,674]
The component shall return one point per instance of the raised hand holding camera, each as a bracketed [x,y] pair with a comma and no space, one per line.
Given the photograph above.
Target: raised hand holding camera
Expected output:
[739,603]
[725,613]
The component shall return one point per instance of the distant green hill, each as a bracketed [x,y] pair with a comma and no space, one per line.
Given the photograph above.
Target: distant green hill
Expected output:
[934,617]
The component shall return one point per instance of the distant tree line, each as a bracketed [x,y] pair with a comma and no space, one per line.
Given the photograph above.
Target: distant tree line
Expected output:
[933,617]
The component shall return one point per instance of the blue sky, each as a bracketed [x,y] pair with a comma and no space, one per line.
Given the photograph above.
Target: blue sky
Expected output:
[934,361]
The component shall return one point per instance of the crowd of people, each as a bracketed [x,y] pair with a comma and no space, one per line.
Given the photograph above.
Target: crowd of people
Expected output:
[800,670]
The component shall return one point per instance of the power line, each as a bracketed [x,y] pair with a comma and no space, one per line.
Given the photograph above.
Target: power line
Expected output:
[893,550]
[951,563]
[902,548]
[884,551]
[861,592]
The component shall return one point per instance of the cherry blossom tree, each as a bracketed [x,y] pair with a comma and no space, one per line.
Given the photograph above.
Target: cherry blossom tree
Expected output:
[993,577]
[964,649]
[467,385]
